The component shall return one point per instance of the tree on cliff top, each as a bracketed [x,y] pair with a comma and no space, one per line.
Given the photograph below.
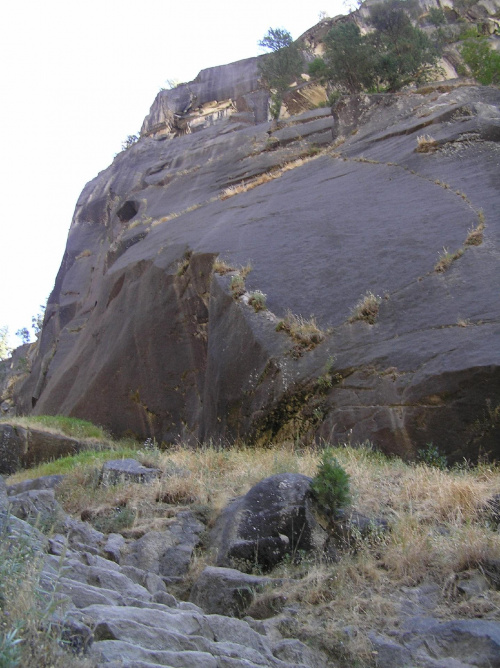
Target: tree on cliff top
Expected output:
[392,56]
[280,67]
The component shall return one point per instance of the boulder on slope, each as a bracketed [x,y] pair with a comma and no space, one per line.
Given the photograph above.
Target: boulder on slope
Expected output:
[273,519]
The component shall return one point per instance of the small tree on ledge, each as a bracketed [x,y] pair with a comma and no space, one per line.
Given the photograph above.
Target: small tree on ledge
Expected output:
[280,67]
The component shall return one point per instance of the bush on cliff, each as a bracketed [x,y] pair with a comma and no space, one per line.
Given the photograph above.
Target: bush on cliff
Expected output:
[395,54]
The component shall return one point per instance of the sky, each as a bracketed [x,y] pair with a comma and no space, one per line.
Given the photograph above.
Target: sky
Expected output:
[77,78]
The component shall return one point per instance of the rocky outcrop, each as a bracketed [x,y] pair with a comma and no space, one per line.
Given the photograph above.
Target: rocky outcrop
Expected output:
[123,615]
[141,336]
[22,447]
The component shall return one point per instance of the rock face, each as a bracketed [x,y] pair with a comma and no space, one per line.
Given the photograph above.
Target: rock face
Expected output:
[273,519]
[140,334]
[20,447]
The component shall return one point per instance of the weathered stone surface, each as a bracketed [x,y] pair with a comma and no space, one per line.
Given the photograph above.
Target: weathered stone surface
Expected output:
[37,505]
[115,471]
[44,482]
[168,552]
[22,448]
[112,548]
[226,591]
[273,519]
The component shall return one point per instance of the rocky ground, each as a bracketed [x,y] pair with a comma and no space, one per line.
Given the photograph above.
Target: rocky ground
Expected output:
[133,599]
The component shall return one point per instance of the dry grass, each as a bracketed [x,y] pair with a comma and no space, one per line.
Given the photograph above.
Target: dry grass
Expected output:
[426,144]
[270,175]
[439,534]
[446,259]
[303,331]
[222,268]
[237,284]
[366,309]
[475,235]
[84,253]
[207,476]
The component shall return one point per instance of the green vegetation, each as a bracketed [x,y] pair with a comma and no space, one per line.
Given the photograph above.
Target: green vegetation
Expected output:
[24,335]
[431,456]
[279,68]
[129,141]
[69,426]
[395,54]
[257,299]
[482,61]
[28,639]
[446,259]
[331,484]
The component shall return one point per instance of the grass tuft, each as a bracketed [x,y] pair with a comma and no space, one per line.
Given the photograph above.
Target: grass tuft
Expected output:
[426,144]
[303,331]
[366,309]
[446,259]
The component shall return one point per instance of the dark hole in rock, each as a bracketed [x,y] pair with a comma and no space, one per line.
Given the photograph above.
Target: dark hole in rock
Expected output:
[127,211]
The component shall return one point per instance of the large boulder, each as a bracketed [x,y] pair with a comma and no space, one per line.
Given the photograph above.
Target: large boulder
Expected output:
[275,518]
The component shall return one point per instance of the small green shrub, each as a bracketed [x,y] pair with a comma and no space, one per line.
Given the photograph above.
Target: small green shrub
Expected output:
[237,286]
[331,485]
[431,456]
[257,299]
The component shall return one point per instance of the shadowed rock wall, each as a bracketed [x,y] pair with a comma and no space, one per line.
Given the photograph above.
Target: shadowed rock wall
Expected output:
[141,335]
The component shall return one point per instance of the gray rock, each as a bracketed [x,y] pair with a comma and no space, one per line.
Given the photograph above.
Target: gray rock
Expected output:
[296,652]
[107,651]
[44,482]
[112,548]
[167,553]
[181,621]
[273,519]
[474,642]
[83,594]
[115,471]
[151,581]
[226,591]
[38,505]
[83,536]
[389,654]
[13,528]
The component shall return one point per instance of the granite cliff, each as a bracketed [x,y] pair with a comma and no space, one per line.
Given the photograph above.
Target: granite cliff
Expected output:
[149,330]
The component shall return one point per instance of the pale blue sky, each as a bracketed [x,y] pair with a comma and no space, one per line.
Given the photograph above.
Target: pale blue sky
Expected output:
[76,79]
